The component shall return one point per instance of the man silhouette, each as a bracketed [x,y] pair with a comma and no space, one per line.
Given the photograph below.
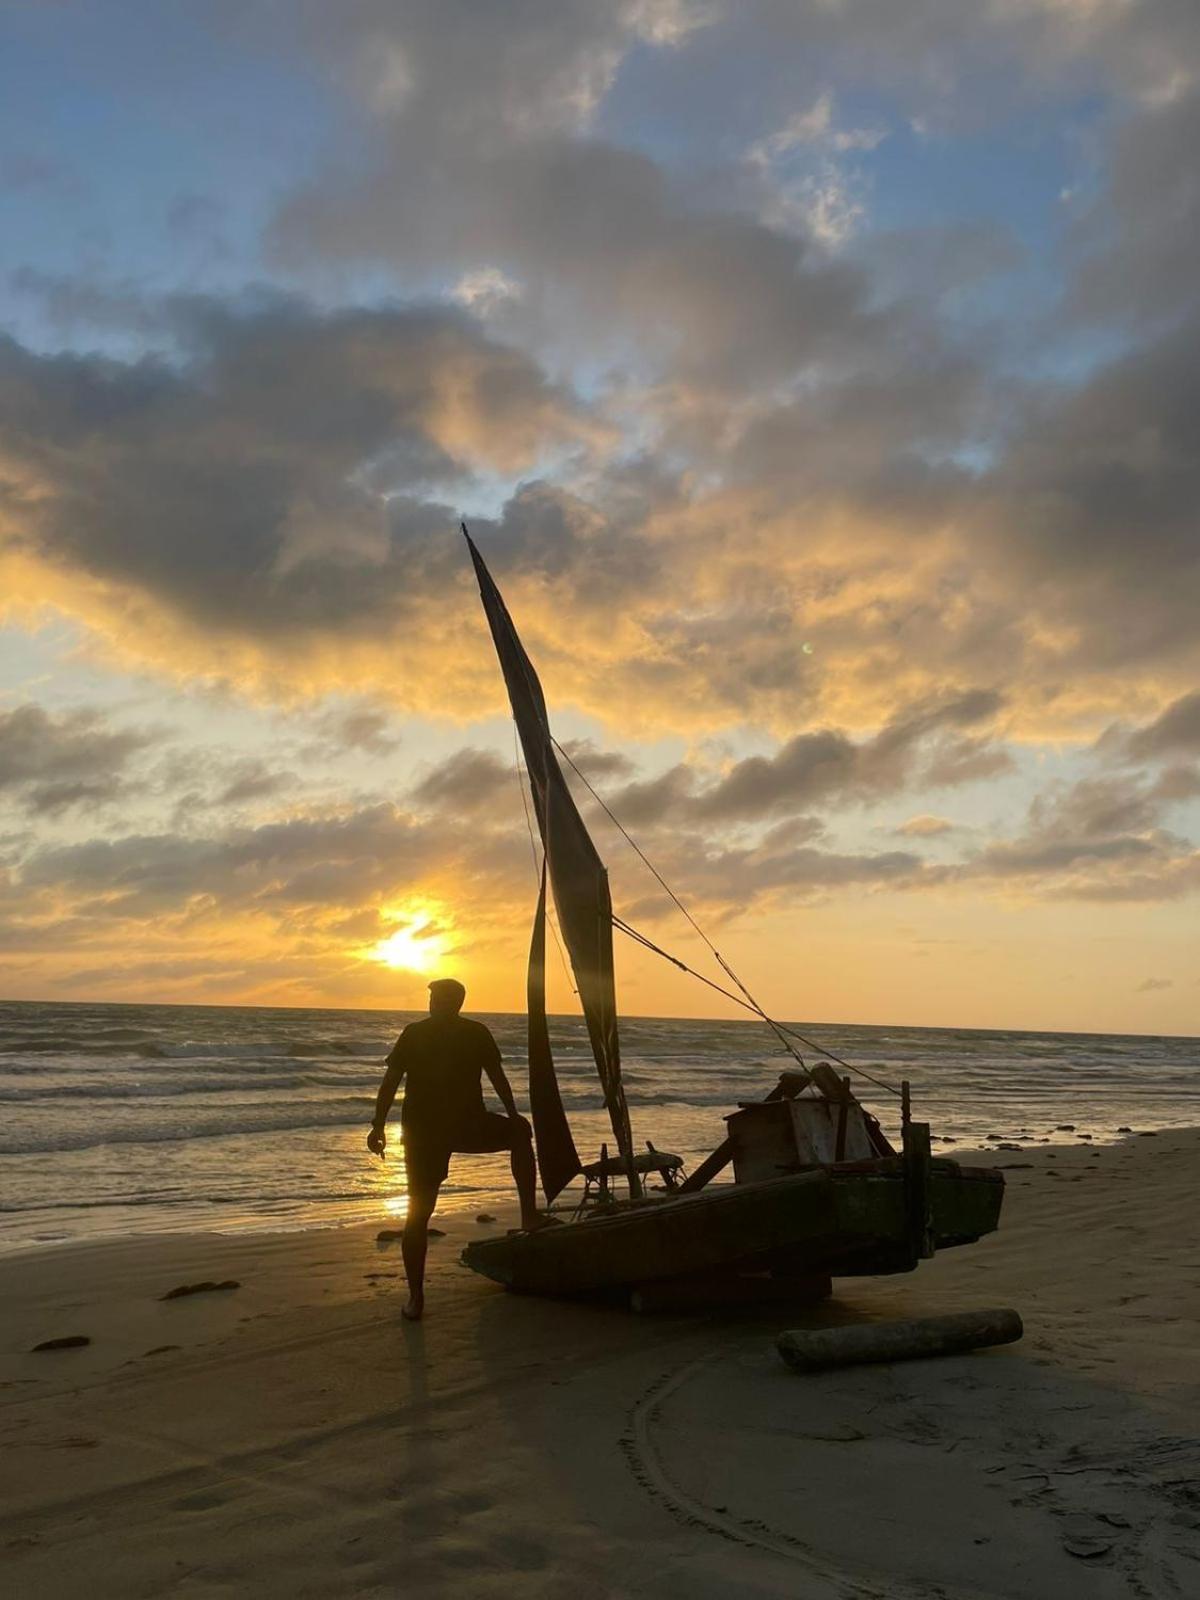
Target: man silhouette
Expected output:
[443,1058]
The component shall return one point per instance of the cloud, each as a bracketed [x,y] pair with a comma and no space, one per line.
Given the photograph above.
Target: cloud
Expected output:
[788,492]
[363,728]
[1175,732]
[919,744]
[50,763]
[1101,838]
[470,780]
[925,826]
[1152,985]
[253,779]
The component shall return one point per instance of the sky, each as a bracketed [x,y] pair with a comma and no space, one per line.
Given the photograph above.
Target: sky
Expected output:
[819,379]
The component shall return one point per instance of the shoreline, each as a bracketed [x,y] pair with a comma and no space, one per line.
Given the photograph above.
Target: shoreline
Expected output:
[389,1212]
[292,1436]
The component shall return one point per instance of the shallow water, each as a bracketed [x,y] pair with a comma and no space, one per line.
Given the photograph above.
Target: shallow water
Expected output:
[144,1119]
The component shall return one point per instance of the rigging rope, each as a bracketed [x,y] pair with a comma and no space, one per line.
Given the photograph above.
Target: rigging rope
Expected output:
[780,1027]
[749,1003]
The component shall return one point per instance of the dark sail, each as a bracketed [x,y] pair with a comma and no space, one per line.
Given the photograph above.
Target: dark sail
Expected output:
[558,1160]
[576,872]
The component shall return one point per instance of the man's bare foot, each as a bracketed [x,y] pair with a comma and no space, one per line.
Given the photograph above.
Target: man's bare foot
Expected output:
[535,1223]
[413,1308]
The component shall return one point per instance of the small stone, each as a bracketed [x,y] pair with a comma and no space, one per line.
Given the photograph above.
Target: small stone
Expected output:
[485,1216]
[72,1341]
[1147,1136]
[386,1234]
[1065,1127]
[1124,1130]
[436,1233]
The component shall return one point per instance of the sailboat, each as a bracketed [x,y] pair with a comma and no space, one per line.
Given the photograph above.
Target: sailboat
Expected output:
[818,1191]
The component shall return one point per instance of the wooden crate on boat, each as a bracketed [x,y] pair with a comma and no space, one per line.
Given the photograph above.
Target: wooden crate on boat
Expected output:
[774,1137]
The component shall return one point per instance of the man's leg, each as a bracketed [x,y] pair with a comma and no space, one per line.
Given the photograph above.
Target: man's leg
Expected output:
[414,1243]
[524,1171]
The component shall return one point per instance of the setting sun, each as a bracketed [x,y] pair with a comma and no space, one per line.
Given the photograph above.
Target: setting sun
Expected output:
[415,946]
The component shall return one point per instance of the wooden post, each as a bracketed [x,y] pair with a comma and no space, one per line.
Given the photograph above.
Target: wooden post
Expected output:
[918,1174]
[839,1149]
[602,1199]
[809,1350]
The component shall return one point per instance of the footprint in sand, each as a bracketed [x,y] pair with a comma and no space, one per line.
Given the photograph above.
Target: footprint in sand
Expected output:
[205,1500]
[208,1286]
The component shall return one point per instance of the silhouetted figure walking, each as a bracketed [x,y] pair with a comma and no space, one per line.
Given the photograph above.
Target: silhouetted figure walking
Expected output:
[442,1059]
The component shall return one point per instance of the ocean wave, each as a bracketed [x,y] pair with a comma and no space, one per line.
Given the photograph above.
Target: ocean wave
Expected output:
[239,1120]
[159,1089]
[144,1047]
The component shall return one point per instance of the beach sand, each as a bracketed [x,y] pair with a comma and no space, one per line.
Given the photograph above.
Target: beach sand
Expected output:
[293,1437]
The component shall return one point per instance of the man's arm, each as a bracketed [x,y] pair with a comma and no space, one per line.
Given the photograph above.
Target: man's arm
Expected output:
[392,1077]
[495,1071]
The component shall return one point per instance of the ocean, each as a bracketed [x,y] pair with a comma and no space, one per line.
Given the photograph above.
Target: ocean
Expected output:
[122,1119]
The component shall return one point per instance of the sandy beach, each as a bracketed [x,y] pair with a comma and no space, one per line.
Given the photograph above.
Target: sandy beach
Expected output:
[292,1436]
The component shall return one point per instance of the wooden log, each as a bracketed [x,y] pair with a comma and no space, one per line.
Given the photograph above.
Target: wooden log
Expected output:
[811,1350]
[724,1291]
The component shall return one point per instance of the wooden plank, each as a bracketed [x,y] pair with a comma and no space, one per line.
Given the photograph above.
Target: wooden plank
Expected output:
[708,1168]
[813,1350]
[832,1087]
[790,1083]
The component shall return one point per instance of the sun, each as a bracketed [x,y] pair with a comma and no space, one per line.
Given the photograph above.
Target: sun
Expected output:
[415,946]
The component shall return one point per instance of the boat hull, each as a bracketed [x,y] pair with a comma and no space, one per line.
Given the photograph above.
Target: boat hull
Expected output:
[828,1220]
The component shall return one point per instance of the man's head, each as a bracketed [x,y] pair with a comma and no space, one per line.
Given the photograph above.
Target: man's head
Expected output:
[446,996]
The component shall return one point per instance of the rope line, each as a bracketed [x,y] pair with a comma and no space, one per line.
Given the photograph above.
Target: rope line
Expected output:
[753,1004]
[749,1003]
[780,1027]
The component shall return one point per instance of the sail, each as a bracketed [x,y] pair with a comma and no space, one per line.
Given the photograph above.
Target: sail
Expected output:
[558,1160]
[576,872]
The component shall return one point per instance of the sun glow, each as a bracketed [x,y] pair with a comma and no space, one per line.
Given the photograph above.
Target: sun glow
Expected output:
[416,946]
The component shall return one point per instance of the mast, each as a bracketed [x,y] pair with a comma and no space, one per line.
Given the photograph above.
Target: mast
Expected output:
[579,882]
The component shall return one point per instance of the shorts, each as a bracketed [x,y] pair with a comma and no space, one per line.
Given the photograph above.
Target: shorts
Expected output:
[427,1152]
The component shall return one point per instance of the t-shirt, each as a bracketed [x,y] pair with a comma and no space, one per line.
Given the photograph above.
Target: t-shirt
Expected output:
[443,1060]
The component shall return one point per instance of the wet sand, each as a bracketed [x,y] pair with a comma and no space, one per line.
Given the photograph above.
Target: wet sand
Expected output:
[293,1437]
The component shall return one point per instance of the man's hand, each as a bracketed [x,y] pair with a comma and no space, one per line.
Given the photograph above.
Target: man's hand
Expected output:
[377,1142]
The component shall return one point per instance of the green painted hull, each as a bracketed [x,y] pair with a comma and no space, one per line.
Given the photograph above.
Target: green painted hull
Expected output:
[838,1221]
